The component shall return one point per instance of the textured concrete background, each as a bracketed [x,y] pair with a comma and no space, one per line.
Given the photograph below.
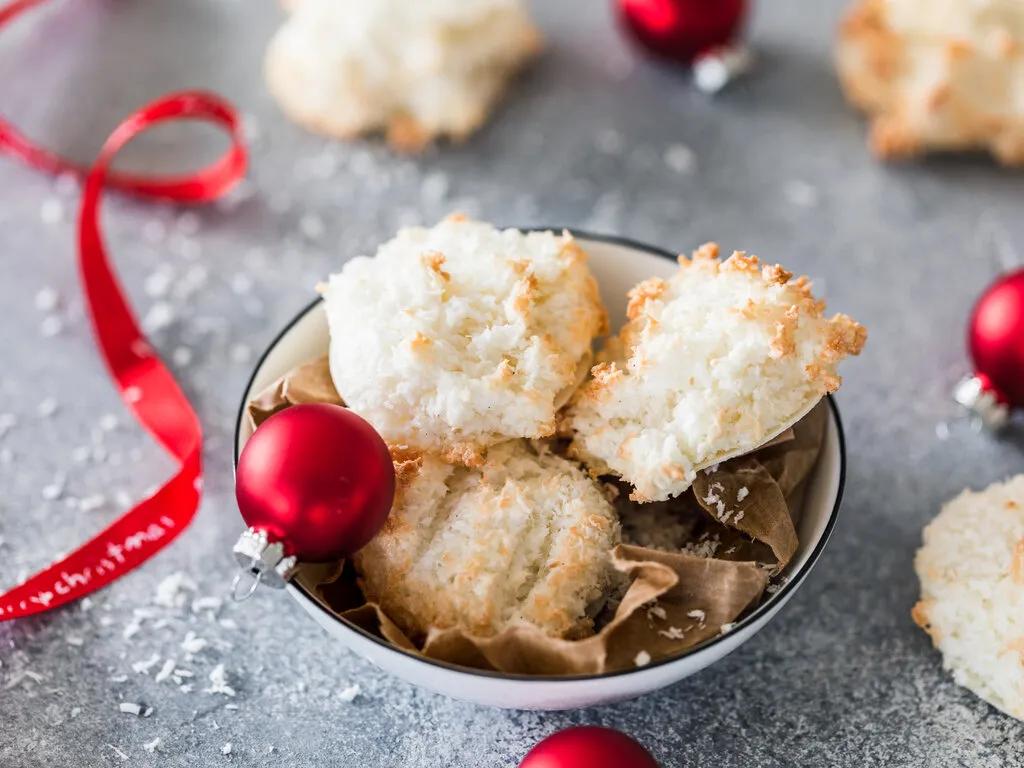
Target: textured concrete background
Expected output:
[591,137]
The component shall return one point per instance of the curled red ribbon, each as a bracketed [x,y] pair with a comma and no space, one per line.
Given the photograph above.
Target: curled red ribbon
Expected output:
[144,382]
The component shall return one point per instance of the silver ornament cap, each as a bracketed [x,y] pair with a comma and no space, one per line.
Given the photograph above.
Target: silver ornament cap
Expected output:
[713,70]
[262,560]
[982,402]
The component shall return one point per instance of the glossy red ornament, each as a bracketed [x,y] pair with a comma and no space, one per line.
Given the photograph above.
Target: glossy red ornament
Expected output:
[682,30]
[588,746]
[314,483]
[995,336]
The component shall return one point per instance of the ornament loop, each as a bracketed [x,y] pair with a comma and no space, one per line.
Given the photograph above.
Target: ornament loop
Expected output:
[257,577]
[262,558]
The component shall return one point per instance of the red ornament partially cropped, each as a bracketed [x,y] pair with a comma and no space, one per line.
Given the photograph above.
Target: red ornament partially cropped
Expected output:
[995,337]
[314,483]
[682,30]
[588,746]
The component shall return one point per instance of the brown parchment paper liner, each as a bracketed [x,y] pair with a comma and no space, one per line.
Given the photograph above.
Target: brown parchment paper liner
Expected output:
[308,383]
[742,513]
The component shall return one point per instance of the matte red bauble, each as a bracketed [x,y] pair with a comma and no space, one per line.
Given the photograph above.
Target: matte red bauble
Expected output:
[314,483]
[588,746]
[995,336]
[682,30]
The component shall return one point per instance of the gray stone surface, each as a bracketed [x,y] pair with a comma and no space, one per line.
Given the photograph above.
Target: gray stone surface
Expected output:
[841,678]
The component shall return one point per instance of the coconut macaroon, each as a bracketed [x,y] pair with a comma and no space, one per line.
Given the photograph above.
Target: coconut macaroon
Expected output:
[415,70]
[971,568]
[458,337]
[711,363]
[937,74]
[525,538]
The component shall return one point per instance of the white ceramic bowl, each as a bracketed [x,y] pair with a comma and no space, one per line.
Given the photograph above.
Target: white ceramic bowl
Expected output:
[618,265]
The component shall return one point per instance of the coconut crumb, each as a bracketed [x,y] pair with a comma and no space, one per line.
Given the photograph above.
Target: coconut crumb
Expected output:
[47,299]
[657,612]
[193,644]
[54,490]
[143,667]
[642,659]
[349,694]
[150,746]
[165,671]
[171,592]
[742,493]
[680,158]
[219,682]
[51,326]
[801,194]
[123,757]
[130,708]
[706,546]
[210,603]
[47,407]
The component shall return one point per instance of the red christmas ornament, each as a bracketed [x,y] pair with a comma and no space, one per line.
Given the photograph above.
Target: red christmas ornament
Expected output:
[588,746]
[995,337]
[682,30]
[314,483]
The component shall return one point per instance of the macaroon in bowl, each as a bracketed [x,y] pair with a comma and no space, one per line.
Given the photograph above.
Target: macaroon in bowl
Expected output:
[618,265]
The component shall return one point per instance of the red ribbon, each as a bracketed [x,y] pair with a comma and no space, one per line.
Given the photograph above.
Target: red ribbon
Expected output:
[146,386]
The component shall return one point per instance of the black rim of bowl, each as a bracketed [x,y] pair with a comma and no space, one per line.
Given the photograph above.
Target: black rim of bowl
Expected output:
[751,618]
